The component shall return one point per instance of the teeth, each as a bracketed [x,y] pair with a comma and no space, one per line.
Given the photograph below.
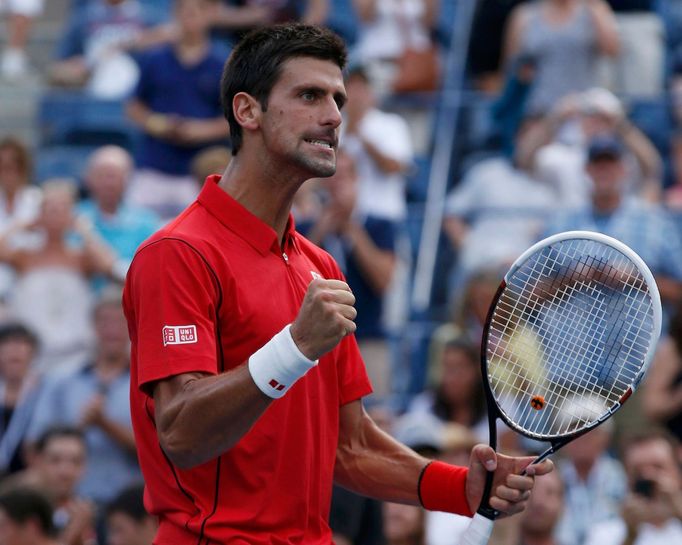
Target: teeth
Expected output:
[320,143]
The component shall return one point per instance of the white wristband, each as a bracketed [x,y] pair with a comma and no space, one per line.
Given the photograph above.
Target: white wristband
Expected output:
[277,365]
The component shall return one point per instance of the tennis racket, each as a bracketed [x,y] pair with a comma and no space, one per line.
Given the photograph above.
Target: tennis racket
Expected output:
[568,338]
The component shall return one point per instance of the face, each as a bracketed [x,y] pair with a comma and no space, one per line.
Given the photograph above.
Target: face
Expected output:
[11,175]
[545,505]
[16,356]
[111,328]
[107,181]
[61,465]
[402,521]
[192,16]
[653,459]
[588,448]
[122,529]
[607,176]
[57,212]
[360,96]
[300,127]
[460,376]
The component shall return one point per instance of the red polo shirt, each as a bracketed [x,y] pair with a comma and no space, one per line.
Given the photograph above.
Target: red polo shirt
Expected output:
[203,294]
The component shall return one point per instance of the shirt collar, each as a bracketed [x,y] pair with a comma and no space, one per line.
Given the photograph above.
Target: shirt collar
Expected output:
[242,222]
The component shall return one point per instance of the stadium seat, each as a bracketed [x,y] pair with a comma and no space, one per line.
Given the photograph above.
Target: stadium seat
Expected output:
[61,162]
[75,119]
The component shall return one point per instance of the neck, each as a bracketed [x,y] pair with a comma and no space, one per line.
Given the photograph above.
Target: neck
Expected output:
[583,468]
[605,204]
[110,363]
[109,208]
[268,195]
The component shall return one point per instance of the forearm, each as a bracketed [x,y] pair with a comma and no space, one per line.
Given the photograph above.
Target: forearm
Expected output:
[377,265]
[605,27]
[366,9]
[669,288]
[316,12]
[374,464]
[648,159]
[120,434]
[139,113]
[386,164]
[205,416]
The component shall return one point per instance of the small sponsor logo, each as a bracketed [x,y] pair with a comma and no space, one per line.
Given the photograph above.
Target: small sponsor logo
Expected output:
[315,275]
[276,385]
[179,334]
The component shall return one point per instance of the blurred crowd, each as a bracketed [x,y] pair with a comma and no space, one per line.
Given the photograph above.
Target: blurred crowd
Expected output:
[571,118]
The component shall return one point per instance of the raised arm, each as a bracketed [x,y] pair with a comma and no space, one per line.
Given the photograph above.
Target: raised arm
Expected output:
[604,22]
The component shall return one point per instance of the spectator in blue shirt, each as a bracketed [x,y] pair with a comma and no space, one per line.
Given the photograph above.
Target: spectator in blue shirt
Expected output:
[122,226]
[177,107]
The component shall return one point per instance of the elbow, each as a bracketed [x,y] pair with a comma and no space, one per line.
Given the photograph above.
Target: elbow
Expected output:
[182,454]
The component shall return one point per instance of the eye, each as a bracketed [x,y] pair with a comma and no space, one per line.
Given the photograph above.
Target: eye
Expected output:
[308,96]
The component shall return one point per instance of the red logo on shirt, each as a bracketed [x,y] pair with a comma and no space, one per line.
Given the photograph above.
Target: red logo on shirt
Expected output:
[179,334]
[276,385]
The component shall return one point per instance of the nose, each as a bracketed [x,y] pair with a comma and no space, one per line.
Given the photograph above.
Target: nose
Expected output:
[332,113]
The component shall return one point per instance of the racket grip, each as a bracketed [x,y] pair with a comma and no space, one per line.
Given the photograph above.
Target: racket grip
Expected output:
[478,532]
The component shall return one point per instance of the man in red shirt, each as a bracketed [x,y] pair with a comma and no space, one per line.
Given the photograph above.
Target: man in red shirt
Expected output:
[246,377]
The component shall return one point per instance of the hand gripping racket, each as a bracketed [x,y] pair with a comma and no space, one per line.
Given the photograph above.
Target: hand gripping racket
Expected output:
[568,338]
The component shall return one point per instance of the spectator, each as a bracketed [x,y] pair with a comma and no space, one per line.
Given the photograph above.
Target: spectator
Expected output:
[646,229]
[120,225]
[235,18]
[594,484]
[210,161]
[128,523]
[25,517]
[493,215]
[19,200]
[662,391]
[388,28]
[14,65]
[484,62]
[59,464]
[51,294]
[457,395]
[177,106]
[95,50]
[565,38]
[652,509]
[538,524]
[95,399]
[555,148]
[20,387]
[637,71]
[403,524]
[364,247]
[381,146]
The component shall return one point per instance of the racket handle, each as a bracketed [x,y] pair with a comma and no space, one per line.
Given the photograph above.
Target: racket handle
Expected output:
[478,532]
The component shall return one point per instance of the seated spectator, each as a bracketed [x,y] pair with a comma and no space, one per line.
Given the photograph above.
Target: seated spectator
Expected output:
[387,29]
[213,160]
[14,64]
[645,228]
[20,387]
[234,18]
[637,71]
[120,225]
[594,484]
[493,215]
[26,517]
[52,295]
[95,50]
[19,200]
[565,38]
[537,524]
[364,247]
[177,106]
[662,391]
[128,523]
[457,395]
[555,147]
[403,524]
[58,465]
[652,511]
[95,398]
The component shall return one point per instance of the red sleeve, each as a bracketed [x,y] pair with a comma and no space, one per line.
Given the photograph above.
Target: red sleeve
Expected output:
[172,300]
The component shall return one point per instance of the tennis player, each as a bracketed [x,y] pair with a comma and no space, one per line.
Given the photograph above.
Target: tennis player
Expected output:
[246,377]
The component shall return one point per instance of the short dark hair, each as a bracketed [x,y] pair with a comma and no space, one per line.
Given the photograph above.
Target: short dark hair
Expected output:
[23,504]
[55,432]
[21,153]
[12,331]
[255,63]
[129,501]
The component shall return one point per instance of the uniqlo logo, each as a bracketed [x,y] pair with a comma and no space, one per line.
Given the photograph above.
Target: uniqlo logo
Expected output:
[276,385]
[179,334]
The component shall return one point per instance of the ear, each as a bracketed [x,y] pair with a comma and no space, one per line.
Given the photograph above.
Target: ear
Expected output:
[247,111]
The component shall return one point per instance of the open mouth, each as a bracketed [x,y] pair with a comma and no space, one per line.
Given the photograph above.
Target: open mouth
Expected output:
[321,143]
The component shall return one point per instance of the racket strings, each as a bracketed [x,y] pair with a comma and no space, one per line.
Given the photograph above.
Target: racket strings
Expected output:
[572,329]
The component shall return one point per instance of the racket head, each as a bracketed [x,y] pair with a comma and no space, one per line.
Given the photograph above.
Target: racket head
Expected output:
[569,335]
